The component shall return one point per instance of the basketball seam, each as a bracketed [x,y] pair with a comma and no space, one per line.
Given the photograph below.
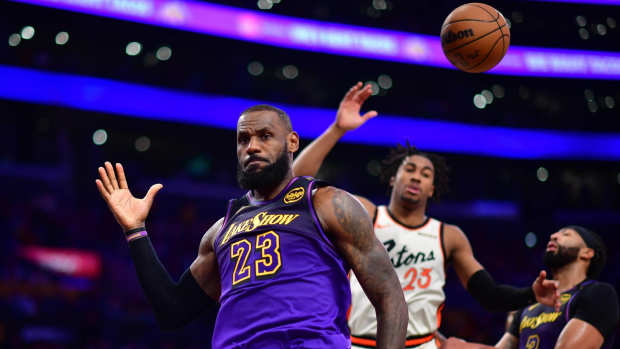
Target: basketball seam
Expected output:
[476,39]
[489,13]
[469,19]
[488,54]
[496,21]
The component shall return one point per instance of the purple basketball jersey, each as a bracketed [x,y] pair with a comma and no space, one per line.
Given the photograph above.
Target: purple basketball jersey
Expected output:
[539,326]
[283,283]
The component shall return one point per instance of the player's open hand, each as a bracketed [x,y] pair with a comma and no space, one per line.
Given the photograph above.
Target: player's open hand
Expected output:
[348,117]
[547,291]
[129,211]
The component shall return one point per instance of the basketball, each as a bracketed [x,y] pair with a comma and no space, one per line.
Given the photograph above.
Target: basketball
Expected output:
[475,37]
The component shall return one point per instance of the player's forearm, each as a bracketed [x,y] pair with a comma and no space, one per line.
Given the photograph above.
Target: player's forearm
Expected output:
[174,304]
[390,307]
[494,297]
[309,161]
[392,325]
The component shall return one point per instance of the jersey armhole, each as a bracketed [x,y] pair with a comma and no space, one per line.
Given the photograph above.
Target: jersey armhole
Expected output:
[443,247]
[315,217]
[226,218]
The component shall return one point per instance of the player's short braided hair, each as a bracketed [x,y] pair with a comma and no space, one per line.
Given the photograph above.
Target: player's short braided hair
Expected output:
[390,165]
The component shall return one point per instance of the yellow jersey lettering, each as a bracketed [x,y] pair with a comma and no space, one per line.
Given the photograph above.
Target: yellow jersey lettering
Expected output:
[257,221]
[288,218]
[262,218]
[534,322]
[275,219]
[228,234]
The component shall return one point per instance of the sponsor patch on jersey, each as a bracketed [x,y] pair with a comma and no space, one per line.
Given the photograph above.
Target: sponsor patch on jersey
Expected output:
[427,235]
[294,195]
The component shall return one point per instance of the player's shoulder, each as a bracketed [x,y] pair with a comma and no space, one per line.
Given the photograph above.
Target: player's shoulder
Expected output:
[208,238]
[599,290]
[329,192]
[451,229]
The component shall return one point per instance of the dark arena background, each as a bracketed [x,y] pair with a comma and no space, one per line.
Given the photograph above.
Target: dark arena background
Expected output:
[533,145]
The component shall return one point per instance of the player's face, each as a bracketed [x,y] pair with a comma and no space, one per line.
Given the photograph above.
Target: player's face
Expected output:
[263,150]
[414,179]
[563,248]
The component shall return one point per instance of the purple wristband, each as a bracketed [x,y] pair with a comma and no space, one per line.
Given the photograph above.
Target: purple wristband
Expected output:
[136,235]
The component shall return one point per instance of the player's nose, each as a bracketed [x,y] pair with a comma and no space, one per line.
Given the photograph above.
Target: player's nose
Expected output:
[253,146]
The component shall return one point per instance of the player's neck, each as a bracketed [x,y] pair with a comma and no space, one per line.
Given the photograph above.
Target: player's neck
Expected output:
[569,276]
[265,194]
[412,215]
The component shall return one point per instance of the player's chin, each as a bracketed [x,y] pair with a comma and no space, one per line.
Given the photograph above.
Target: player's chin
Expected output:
[413,199]
[254,168]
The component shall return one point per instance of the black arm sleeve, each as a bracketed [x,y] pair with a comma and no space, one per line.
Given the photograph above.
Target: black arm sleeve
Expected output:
[597,305]
[494,297]
[174,303]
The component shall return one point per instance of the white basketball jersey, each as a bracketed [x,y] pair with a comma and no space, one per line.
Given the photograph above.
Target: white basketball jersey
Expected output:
[417,255]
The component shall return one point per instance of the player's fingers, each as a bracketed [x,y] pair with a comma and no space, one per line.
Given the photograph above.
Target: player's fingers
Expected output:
[369,115]
[363,94]
[122,180]
[104,193]
[106,181]
[352,91]
[150,195]
[110,170]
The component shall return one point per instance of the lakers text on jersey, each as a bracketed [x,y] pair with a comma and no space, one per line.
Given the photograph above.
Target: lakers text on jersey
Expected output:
[283,283]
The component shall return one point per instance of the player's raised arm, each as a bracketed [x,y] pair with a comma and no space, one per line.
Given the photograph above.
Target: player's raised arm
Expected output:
[348,118]
[174,303]
[479,283]
[351,231]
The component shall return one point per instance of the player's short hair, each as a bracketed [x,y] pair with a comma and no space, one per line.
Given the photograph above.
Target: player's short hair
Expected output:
[595,242]
[390,165]
[286,121]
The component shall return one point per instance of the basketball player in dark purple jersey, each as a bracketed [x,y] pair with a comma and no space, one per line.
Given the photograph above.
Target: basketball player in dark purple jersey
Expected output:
[588,316]
[276,265]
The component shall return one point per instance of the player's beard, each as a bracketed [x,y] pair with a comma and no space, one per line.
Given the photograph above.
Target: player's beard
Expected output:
[267,177]
[561,257]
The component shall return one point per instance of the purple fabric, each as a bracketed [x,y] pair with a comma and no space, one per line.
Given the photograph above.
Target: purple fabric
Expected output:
[295,296]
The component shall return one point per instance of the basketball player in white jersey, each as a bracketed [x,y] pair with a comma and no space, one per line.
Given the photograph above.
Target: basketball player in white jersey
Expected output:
[419,246]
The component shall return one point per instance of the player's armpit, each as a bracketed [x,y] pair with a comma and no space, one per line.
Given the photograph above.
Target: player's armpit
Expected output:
[460,253]
[477,281]
[350,229]
[578,334]
[204,268]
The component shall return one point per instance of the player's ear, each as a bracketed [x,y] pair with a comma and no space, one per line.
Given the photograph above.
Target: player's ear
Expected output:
[587,253]
[292,142]
[432,191]
[392,179]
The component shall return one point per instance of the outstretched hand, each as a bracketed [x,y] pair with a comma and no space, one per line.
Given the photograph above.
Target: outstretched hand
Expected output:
[129,211]
[546,291]
[348,117]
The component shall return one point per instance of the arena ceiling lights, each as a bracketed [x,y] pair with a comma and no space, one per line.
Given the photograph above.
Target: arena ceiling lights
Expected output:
[333,38]
[116,97]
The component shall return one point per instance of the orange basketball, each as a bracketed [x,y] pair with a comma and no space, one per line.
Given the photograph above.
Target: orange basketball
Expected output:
[475,37]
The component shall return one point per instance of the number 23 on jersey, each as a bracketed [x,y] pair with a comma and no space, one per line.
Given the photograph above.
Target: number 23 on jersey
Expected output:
[269,263]
[424,278]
